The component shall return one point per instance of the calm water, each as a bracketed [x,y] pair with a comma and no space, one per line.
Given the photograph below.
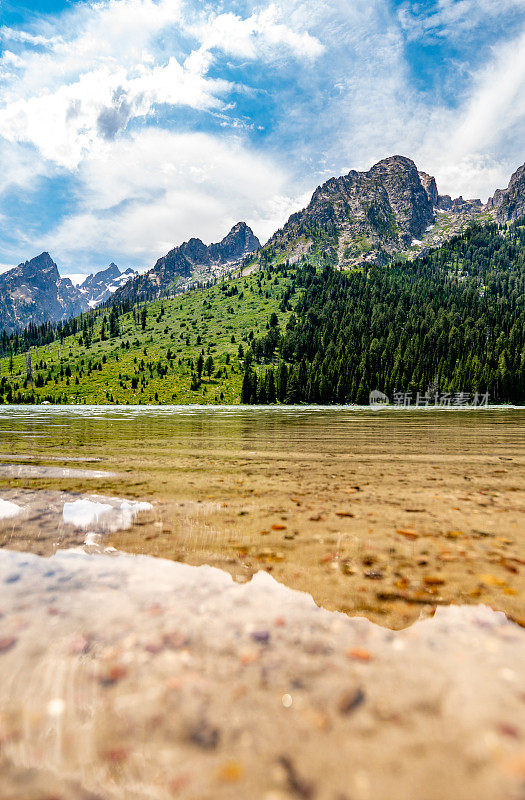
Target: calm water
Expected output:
[207,602]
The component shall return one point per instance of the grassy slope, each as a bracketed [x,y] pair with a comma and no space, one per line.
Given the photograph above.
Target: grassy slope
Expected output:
[186,315]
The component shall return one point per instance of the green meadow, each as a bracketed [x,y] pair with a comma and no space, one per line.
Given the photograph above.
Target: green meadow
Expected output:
[188,349]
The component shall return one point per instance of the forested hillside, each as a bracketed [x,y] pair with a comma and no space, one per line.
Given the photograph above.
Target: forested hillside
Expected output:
[452,320]
[189,349]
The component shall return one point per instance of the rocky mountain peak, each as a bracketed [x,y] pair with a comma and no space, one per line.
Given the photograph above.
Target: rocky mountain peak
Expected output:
[407,196]
[192,260]
[34,292]
[367,217]
[508,204]
[112,271]
[243,233]
[39,265]
[98,287]
[372,214]
[236,244]
[394,164]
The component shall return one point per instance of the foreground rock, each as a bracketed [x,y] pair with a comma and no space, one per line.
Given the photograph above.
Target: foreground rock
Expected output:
[130,677]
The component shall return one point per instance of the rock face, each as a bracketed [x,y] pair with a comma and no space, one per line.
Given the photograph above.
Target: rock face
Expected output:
[35,292]
[99,287]
[508,204]
[238,243]
[429,185]
[367,217]
[192,260]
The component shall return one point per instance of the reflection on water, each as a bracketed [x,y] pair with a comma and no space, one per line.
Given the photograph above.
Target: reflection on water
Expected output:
[126,676]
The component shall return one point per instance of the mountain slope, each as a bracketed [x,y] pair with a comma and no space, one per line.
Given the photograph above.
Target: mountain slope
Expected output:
[448,322]
[35,292]
[189,262]
[368,217]
[153,354]
[452,320]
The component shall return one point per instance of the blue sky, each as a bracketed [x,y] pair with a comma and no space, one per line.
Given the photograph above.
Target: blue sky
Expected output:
[127,126]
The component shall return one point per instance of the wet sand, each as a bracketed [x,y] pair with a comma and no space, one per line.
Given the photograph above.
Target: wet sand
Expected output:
[174,680]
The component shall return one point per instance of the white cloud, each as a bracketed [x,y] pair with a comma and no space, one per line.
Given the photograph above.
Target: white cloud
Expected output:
[144,194]
[323,87]
[453,18]
[68,123]
[374,109]
[97,76]
[21,168]
[497,101]
[261,35]
[14,35]
[475,148]
[98,72]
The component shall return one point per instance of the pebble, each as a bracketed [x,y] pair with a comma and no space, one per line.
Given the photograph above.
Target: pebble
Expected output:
[297,785]
[80,645]
[351,700]
[359,654]
[204,735]
[230,772]
[116,755]
[175,640]
[263,637]
[408,534]
[113,675]
[6,643]
[433,580]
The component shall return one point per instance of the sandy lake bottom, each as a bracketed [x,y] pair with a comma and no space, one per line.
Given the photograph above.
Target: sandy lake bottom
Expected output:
[262,603]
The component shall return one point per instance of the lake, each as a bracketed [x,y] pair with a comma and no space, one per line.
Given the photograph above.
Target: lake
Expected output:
[245,602]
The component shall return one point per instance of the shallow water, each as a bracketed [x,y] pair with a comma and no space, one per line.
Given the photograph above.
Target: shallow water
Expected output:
[371,636]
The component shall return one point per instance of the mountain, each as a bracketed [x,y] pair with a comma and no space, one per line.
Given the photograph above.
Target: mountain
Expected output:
[450,321]
[98,288]
[356,219]
[509,204]
[367,217]
[35,292]
[192,261]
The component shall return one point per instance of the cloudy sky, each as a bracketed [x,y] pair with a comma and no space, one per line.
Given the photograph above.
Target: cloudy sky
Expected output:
[127,126]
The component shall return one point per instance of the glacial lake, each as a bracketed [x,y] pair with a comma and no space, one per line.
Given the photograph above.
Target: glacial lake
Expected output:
[247,602]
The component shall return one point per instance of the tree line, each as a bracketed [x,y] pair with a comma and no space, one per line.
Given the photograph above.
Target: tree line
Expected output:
[451,320]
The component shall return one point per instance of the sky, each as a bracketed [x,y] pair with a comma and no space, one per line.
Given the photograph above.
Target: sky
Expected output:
[129,126]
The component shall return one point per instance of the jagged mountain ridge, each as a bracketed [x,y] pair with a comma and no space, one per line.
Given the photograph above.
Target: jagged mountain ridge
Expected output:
[361,217]
[191,261]
[507,205]
[368,217]
[35,292]
[98,288]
